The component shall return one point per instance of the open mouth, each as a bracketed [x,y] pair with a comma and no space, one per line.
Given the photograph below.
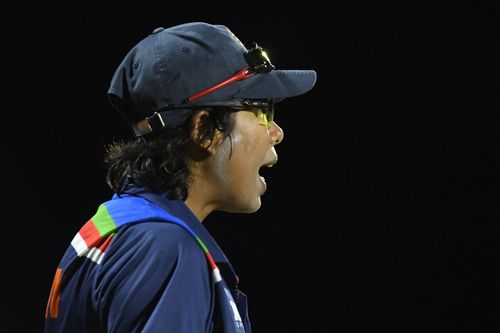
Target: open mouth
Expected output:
[263,169]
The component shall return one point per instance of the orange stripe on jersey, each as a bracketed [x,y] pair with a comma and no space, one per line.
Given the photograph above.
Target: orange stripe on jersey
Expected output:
[52,308]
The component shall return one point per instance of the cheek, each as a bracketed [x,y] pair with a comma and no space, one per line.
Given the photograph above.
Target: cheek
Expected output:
[238,161]
[246,154]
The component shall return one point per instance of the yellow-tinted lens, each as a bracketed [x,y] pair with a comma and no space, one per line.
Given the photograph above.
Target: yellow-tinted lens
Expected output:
[263,119]
[266,116]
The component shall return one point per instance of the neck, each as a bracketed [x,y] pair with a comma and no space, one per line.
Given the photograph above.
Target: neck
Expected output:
[198,205]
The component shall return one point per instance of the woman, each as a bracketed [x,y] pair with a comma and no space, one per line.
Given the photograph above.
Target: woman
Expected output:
[201,106]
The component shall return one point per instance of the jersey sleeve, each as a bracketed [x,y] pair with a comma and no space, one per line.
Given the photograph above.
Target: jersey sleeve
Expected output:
[154,278]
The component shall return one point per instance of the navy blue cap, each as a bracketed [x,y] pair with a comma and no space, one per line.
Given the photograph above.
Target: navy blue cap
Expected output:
[172,64]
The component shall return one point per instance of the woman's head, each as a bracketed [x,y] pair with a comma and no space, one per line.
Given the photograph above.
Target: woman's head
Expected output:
[212,161]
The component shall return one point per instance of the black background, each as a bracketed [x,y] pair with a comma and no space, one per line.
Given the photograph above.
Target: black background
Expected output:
[382,214]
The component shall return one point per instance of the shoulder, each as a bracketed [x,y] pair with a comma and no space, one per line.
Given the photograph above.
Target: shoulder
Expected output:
[154,267]
[152,249]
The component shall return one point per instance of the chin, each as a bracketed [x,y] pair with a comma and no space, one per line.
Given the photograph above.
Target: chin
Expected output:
[247,207]
[255,206]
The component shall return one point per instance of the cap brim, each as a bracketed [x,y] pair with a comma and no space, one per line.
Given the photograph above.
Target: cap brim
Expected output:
[277,84]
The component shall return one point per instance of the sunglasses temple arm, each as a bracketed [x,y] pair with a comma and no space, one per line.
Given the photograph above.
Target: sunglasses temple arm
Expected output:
[239,75]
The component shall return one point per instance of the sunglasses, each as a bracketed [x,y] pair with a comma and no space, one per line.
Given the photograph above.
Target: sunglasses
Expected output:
[263,109]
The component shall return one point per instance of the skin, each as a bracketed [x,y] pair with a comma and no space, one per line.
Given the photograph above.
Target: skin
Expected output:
[227,178]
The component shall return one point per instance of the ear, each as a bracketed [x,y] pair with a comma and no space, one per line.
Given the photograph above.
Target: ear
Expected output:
[201,130]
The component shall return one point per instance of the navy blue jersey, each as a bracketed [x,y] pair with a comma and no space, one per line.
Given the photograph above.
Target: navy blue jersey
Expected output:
[147,270]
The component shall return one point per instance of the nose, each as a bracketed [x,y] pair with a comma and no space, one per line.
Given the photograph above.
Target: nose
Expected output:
[276,133]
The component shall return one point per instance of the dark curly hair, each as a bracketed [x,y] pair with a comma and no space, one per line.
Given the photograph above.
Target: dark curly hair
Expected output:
[158,161]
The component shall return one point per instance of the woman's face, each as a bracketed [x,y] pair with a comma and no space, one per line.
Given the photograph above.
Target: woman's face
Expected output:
[234,168]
